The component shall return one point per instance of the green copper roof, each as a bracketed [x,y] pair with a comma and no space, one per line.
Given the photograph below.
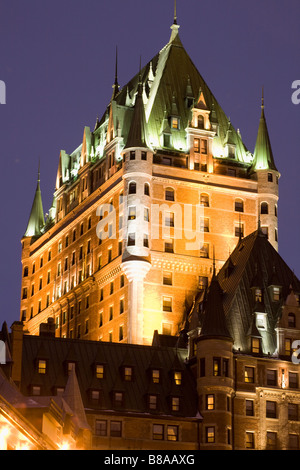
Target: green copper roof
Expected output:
[36,220]
[137,136]
[263,155]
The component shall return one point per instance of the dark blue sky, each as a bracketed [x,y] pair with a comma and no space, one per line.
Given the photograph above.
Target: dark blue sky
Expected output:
[57,60]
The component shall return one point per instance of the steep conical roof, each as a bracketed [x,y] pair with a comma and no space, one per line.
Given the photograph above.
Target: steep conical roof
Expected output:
[137,132]
[263,155]
[214,321]
[36,220]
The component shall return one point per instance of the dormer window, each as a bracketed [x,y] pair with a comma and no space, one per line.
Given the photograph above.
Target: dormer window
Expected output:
[99,371]
[155,376]
[177,377]
[200,121]
[292,320]
[42,366]
[175,123]
[258,295]
[128,373]
[255,345]
[152,402]
[276,294]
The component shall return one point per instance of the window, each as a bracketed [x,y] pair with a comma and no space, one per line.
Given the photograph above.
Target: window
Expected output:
[276,294]
[143,155]
[204,251]
[271,440]
[166,329]
[42,366]
[249,408]
[36,390]
[178,377]
[175,404]
[115,428]
[132,155]
[146,240]
[147,189]
[200,121]
[293,380]
[293,442]
[100,319]
[152,402]
[95,396]
[121,333]
[270,409]
[131,239]
[249,374]
[239,230]
[210,402]
[111,288]
[118,399]
[155,376]
[271,377]
[175,123]
[167,278]
[109,255]
[293,411]
[197,145]
[258,295]
[111,312]
[121,306]
[264,208]
[158,432]
[167,304]
[132,187]
[291,320]
[172,433]
[169,219]
[99,371]
[49,255]
[101,427]
[210,434]
[169,246]
[249,440]
[122,280]
[216,366]
[128,374]
[204,200]
[131,213]
[25,272]
[169,194]
[204,227]
[270,177]
[239,205]
[255,345]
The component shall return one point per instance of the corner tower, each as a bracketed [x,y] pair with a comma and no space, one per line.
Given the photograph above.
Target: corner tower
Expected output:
[267,178]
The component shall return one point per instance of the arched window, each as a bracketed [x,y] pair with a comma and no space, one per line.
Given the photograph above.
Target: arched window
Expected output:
[25,271]
[200,121]
[132,187]
[264,208]
[147,189]
[204,200]
[239,205]
[169,194]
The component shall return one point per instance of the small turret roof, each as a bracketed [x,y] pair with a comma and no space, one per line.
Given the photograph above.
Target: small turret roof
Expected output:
[263,155]
[36,220]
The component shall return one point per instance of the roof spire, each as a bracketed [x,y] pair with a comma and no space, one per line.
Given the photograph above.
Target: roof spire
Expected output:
[116,84]
[262,99]
[175,13]
[36,220]
[175,26]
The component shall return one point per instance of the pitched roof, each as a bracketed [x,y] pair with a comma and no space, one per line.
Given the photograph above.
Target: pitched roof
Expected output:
[263,155]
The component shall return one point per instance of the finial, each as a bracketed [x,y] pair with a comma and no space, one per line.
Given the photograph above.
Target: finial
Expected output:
[175,13]
[39,170]
[262,99]
[116,84]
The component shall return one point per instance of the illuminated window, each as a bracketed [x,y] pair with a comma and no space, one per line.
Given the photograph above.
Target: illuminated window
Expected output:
[155,376]
[210,402]
[99,371]
[172,433]
[197,145]
[249,374]
[42,366]
[158,432]
[175,123]
[177,377]
[258,295]
[128,374]
[210,434]
[167,304]
[276,294]
[132,213]
[203,146]
[255,345]
[249,440]
[169,246]
[175,404]
[216,366]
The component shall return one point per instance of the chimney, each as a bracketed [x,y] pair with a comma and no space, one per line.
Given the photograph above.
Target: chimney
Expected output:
[17,348]
[48,329]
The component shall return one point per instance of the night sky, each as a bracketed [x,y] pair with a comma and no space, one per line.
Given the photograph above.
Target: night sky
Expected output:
[57,60]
